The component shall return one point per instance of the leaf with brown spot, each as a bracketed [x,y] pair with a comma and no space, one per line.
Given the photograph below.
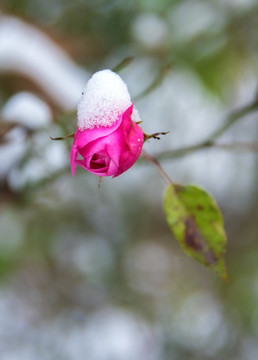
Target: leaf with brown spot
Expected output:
[197,224]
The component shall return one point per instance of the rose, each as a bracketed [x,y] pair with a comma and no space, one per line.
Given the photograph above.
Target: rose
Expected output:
[107,142]
[108,151]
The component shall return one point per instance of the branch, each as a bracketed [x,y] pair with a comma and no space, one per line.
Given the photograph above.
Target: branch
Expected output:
[155,83]
[62,137]
[233,118]
[241,146]
[210,140]
[125,62]
[32,186]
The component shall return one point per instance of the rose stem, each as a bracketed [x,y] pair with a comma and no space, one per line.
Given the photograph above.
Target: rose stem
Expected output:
[160,169]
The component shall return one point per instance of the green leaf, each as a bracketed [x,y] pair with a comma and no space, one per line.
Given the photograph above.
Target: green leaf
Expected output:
[196,222]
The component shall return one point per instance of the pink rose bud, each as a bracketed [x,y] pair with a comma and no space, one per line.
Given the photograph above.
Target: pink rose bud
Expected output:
[107,141]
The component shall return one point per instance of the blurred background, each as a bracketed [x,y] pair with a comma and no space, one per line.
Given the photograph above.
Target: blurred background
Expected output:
[96,274]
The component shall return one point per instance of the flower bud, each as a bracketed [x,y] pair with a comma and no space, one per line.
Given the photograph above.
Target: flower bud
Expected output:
[107,141]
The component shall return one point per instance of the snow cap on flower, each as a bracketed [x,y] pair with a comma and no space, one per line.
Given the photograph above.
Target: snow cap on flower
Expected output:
[105,98]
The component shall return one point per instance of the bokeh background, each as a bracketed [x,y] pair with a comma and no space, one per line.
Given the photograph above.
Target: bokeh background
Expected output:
[95,274]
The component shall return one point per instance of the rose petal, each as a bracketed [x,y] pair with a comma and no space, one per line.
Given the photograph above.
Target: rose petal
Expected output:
[84,137]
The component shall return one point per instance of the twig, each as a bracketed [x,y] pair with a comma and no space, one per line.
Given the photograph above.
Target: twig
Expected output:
[62,137]
[125,62]
[252,146]
[155,83]
[27,188]
[183,151]
[233,118]
[210,141]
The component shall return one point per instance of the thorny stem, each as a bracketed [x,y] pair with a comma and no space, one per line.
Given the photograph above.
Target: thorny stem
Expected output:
[209,142]
[160,169]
